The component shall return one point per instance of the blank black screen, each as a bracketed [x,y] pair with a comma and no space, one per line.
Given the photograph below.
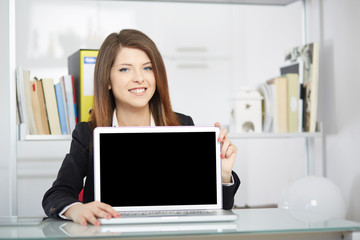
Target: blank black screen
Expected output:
[158,169]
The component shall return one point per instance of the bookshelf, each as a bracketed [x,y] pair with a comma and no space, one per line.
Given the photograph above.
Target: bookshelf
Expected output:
[308,137]
[34,149]
[47,138]
[274,135]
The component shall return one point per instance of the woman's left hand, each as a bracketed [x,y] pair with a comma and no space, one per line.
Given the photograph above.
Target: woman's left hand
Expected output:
[228,154]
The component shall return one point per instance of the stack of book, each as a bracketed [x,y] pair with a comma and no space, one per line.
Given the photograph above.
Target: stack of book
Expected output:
[45,106]
[290,99]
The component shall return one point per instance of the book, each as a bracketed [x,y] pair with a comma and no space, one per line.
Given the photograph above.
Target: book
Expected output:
[292,101]
[270,86]
[66,111]
[267,108]
[60,107]
[29,111]
[21,100]
[281,98]
[311,80]
[297,68]
[308,57]
[51,106]
[81,65]
[71,105]
[74,97]
[38,106]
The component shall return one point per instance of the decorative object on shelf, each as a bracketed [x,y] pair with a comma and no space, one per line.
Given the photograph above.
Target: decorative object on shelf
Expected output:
[315,195]
[247,113]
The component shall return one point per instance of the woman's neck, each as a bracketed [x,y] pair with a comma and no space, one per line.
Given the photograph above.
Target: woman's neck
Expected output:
[138,117]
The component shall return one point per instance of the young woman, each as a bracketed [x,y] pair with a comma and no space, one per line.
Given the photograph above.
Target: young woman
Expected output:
[130,89]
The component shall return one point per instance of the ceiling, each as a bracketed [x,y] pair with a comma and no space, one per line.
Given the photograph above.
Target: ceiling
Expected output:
[250,2]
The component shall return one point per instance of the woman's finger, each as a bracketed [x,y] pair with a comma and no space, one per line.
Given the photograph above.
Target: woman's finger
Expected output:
[108,210]
[225,147]
[90,217]
[231,150]
[81,220]
[222,135]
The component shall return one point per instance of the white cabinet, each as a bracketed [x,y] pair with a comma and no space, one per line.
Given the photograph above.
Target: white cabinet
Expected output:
[268,162]
[38,162]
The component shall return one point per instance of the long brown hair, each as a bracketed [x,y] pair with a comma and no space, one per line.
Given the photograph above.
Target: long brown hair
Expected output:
[104,102]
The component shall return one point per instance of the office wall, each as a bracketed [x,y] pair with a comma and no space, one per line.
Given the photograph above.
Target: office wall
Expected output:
[335,25]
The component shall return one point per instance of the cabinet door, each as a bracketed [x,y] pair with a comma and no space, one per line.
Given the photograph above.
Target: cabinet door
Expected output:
[200,89]
[189,29]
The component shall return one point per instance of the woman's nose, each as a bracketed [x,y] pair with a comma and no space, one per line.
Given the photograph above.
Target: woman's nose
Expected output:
[139,77]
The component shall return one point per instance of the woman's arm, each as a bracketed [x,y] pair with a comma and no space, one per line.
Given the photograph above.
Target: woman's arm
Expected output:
[229,192]
[69,181]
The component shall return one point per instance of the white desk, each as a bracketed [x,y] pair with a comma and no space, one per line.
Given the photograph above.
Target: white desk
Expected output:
[251,224]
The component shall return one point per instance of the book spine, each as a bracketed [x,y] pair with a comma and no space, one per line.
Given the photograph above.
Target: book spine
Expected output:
[61,110]
[70,102]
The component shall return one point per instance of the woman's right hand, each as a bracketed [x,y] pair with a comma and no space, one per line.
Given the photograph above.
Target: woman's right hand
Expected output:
[90,212]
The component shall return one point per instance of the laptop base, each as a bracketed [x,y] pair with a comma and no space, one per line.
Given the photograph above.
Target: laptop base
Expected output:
[209,216]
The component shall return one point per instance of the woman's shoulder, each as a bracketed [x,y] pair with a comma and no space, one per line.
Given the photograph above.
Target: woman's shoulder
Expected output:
[185,120]
[83,129]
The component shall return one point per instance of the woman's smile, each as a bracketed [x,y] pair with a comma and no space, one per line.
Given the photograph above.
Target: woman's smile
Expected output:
[138,91]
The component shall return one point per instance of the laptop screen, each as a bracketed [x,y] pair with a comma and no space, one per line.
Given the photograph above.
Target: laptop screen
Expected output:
[152,168]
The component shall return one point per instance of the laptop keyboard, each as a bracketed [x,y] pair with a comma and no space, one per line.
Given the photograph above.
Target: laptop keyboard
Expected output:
[162,212]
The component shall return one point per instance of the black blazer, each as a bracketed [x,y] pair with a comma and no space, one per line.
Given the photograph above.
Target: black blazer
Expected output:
[78,164]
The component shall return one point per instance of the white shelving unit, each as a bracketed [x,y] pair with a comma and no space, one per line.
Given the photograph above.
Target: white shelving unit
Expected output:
[31,152]
[46,138]
[268,135]
[308,137]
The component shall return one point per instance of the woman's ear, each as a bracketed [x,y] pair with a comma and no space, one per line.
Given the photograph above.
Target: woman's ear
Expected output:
[109,86]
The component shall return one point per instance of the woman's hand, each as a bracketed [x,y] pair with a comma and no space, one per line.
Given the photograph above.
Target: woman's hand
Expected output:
[228,154]
[90,212]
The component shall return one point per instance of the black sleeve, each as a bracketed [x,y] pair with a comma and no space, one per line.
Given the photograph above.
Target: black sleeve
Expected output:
[69,181]
[229,192]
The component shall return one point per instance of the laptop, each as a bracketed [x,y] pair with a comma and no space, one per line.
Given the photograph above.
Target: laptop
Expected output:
[159,174]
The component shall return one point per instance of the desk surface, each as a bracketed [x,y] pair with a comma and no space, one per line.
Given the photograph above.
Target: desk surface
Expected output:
[255,222]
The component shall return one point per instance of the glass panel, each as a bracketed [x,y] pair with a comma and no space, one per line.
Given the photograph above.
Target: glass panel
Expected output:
[251,221]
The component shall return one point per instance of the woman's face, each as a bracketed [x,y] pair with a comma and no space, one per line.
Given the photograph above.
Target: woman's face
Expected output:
[132,79]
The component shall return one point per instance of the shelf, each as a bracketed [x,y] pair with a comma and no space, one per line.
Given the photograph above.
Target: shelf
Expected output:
[24,137]
[274,135]
[41,150]
[231,135]
[47,138]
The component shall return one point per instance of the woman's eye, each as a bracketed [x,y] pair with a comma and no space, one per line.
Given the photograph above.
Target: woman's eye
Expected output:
[148,68]
[124,69]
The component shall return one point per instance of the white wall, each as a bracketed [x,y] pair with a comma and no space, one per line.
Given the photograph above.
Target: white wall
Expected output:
[335,25]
